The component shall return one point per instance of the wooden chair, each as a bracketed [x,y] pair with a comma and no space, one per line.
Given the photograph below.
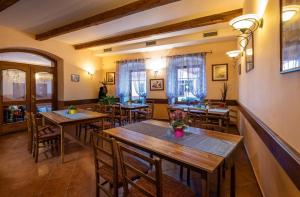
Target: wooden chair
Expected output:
[107,165]
[145,114]
[43,137]
[154,184]
[119,115]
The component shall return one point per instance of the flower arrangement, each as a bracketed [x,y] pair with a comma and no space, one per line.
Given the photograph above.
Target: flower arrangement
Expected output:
[72,109]
[178,123]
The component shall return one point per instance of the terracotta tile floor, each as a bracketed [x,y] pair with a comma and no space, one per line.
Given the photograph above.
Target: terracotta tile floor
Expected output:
[21,176]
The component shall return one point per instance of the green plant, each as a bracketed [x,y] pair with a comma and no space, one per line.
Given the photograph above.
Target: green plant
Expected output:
[178,124]
[108,100]
[224,91]
[72,107]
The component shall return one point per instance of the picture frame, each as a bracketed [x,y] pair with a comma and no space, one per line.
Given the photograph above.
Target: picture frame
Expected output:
[220,72]
[110,78]
[75,78]
[157,84]
[289,37]
[249,54]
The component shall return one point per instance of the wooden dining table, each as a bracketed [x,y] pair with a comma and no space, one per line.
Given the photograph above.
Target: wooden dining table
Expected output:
[133,106]
[217,112]
[200,150]
[61,118]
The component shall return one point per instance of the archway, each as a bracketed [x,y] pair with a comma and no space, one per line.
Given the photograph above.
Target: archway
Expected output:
[28,85]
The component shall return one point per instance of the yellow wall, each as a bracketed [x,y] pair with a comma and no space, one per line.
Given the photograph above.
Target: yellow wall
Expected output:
[217,57]
[74,63]
[272,97]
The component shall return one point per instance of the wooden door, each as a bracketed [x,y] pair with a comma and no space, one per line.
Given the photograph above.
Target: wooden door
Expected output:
[15,95]
[43,89]
[25,87]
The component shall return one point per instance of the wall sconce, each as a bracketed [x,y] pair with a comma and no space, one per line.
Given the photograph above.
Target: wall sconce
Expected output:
[246,24]
[289,11]
[234,55]
[90,72]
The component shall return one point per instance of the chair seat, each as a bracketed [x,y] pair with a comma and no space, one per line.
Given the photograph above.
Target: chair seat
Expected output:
[107,174]
[48,136]
[170,188]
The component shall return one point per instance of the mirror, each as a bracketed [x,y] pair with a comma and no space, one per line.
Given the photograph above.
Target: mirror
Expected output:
[290,35]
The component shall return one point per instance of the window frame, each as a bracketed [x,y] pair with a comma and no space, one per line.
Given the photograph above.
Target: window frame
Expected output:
[130,83]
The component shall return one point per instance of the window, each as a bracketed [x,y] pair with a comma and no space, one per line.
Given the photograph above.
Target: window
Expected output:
[138,84]
[186,78]
[187,82]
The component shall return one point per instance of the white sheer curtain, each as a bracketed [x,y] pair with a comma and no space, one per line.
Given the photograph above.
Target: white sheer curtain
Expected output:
[125,70]
[186,76]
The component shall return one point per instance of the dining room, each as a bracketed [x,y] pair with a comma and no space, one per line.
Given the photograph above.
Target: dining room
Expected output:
[151,98]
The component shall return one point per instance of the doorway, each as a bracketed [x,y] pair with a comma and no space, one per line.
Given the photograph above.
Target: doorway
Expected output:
[25,87]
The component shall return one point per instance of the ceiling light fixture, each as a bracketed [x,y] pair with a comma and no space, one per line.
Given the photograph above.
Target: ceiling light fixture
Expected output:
[289,11]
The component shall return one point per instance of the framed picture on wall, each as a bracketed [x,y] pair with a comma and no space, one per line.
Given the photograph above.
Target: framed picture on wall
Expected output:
[110,78]
[75,78]
[289,36]
[156,84]
[220,72]
[249,54]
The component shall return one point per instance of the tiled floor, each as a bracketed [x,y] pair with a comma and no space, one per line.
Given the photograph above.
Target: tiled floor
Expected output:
[21,176]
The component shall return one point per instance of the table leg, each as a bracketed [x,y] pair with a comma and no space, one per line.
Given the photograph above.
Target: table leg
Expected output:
[220,122]
[232,181]
[62,144]
[130,117]
[205,179]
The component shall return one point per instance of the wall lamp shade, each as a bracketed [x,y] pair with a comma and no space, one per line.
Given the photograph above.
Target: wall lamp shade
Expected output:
[288,12]
[245,23]
[234,54]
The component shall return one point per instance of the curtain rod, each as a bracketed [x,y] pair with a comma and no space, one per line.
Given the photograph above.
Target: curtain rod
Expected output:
[203,52]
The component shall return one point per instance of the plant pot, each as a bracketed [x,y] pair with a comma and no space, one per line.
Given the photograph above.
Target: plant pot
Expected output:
[179,132]
[72,111]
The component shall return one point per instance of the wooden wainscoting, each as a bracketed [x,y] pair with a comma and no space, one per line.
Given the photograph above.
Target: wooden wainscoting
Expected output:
[287,157]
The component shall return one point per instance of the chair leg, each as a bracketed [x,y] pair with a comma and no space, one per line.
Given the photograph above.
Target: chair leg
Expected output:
[36,152]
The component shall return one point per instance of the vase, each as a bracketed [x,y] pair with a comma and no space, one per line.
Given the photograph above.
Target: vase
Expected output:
[178,132]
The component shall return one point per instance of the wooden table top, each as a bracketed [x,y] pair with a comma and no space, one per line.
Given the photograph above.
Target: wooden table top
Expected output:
[195,109]
[58,119]
[134,106]
[184,155]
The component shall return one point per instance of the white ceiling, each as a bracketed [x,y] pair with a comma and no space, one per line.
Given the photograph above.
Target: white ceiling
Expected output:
[37,16]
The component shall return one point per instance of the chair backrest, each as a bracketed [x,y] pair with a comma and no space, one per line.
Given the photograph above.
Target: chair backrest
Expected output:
[150,109]
[126,167]
[117,110]
[211,127]
[100,108]
[34,122]
[105,154]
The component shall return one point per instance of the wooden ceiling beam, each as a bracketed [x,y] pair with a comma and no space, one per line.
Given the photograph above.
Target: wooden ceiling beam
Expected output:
[6,3]
[194,23]
[104,17]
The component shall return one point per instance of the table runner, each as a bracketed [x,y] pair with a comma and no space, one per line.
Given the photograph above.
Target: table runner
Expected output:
[200,142]
[77,116]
